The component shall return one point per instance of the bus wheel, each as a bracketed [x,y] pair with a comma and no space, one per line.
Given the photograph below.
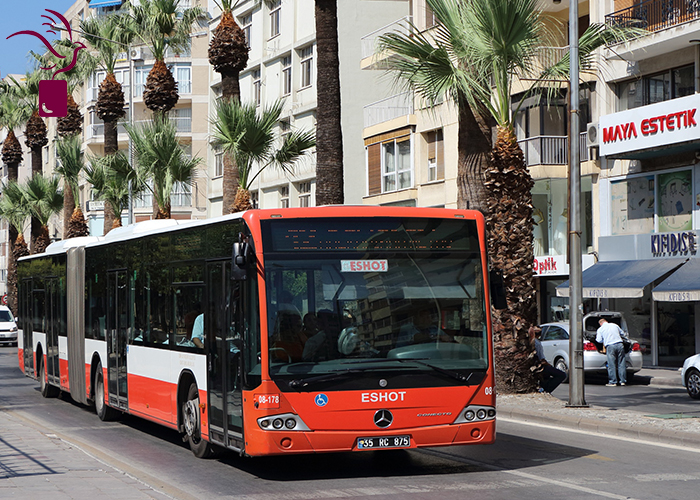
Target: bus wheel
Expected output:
[193,425]
[103,411]
[47,390]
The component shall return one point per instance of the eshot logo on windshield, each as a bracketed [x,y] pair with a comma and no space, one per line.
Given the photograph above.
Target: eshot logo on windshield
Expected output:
[321,400]
[364,266]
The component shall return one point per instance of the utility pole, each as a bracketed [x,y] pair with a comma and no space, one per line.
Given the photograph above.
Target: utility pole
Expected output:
[576,386]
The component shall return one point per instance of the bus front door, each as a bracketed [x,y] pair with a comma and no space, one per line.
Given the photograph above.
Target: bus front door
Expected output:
[117,317]
[225,401]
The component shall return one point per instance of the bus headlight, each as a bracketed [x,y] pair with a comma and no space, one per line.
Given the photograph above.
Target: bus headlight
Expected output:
[473,413]
[284,422]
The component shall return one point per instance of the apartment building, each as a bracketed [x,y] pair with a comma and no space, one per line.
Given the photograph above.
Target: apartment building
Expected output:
[644,129]
[282,65]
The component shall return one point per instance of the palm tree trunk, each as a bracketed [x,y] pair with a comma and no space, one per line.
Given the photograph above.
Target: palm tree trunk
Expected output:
[12,271]
[509,224]
[230,89]
[329,135]
[474,150]
[68,207]
[12,171]
[111,147]
[37,168]
[36,245]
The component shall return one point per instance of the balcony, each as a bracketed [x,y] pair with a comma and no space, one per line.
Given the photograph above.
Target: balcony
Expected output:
[551,150]
[370,58]
[97,130]
[655,15]
[388,109]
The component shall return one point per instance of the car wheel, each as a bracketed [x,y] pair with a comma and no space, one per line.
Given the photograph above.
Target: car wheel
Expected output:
[560,364]
[692,383]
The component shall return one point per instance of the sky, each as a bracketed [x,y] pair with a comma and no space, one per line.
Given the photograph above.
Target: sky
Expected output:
[20,15]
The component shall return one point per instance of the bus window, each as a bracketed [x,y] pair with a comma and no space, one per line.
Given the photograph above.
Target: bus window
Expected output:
[189,316]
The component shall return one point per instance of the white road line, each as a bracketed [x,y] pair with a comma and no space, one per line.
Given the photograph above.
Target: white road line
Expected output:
[610,436]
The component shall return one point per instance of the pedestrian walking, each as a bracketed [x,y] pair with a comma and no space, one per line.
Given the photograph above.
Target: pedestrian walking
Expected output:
[611,335]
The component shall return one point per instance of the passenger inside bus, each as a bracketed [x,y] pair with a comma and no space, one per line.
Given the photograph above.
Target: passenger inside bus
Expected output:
[324,344]
[289,338]
[423,328]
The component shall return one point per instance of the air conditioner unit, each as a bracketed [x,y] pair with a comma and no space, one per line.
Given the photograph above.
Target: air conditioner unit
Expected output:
[137,54]
[592,140]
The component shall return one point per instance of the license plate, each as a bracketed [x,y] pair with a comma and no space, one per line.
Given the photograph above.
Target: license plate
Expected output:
[379,443]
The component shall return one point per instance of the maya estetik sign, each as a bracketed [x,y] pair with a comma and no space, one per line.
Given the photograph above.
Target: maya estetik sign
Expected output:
[660,124]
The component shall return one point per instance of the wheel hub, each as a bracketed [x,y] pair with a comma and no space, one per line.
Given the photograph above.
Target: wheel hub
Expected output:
[191,416]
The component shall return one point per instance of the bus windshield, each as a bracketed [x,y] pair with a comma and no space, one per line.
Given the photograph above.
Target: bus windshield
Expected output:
[399,298]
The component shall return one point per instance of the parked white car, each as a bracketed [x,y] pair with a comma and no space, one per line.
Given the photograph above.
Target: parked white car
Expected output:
[8,327]
[555,344]
[690,376]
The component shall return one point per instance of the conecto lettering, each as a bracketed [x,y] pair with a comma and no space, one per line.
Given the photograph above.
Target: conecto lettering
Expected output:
[380,397]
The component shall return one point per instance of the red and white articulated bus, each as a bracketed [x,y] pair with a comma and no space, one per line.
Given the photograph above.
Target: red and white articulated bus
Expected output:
[273,331]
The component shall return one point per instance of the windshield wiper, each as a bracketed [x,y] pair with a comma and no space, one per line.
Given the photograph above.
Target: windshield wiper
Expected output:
[301,383]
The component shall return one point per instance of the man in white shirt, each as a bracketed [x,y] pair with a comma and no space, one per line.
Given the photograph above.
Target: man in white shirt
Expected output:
[610,335]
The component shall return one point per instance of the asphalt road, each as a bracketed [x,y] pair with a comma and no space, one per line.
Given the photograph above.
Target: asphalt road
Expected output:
[527,461]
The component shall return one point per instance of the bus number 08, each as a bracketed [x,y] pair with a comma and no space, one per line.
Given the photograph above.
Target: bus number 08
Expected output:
[488,390]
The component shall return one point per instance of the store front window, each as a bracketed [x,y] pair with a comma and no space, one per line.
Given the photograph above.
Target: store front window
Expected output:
[636,202]
[676,326]
[550,215]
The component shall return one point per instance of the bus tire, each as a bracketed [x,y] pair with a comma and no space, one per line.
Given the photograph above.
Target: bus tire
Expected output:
[104,412]
[193,424]
[47,390]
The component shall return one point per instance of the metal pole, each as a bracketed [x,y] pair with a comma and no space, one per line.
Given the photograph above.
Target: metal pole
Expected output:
[131,124]
[576,387]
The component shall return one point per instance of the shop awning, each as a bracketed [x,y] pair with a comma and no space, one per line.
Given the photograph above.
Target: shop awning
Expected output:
[622,278]
[681,286]
[104,3]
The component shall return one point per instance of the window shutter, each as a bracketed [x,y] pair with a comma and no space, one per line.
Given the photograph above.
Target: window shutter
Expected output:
[374,169]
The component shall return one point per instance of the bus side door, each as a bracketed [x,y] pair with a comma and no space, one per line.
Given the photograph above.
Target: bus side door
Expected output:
[225,399]
[117,337]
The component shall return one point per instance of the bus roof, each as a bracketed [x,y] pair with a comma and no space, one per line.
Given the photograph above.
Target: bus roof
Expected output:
[158,226]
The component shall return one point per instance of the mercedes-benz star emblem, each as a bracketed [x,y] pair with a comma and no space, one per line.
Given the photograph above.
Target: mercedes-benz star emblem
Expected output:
[383,419]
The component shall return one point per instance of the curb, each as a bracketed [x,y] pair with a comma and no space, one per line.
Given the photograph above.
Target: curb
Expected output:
[601,426]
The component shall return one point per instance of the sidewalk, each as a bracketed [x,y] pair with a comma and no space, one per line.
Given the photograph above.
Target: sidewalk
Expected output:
[34,464]
[548,410]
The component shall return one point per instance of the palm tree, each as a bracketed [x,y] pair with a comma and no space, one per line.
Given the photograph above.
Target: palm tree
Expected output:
[228,51]
[474,55]
[250,139]
[12,115]
[108,36]
[161,160]
[109,177]
[14,208]
[45,200]
[329,134]
[161,24]
[35,129]
[228,54]
[69,152]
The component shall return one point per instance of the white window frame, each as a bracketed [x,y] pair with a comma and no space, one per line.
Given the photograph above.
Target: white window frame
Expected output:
[304,190]
[247,26]
[394,175]
[218,162]
[306,62]
[140,75]
[183,76]
[181,195]
[257,86]
[286,75]
[275,18]
[284,196]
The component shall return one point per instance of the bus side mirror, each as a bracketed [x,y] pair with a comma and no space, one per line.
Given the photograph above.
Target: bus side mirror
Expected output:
[498,290]
[239,261]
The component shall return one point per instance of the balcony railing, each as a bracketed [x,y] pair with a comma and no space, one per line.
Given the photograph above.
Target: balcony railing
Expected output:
[97,130]
[388,109]
[369,41]
[183,124]
[551,150]
[655,15]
